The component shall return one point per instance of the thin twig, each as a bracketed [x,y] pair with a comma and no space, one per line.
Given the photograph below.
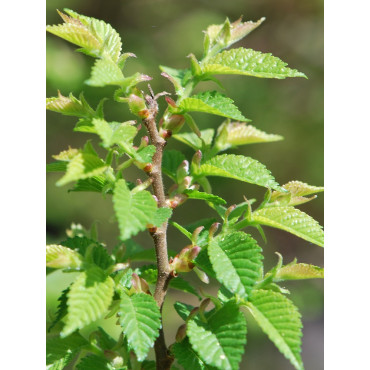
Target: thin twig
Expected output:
[160,234]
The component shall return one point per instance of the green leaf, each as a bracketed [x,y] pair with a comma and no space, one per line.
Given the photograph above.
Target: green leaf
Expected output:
[105,72]
[97,184]
[148,365]
[291,220]
[93,362]
[212,102]
[57,166]
[232,134]
[195,142]
[280,320]
[79,244]
[299,271]
[105,341]
[114,132]
[178,77]
[221,341]
[181,284]
[187,357]
[237,260]
[161,216]
[140,320]
[69,106]
[62,308]
[82,166]
[63,350]
[171,160]
[96,37]
[240,168]
[88,299]
[195,194]
[183,309]
[145,155]
[58,256]
[134,211]
[248,62]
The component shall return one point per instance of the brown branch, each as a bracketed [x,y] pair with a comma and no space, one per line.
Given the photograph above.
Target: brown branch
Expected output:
[160,234]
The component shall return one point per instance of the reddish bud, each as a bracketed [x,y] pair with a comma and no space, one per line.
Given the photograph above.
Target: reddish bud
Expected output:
[192,313]
[197,158]
[170,101]
[148,168]
[139,285]
[143,113]
[196,233]
[174,122]
[229,210]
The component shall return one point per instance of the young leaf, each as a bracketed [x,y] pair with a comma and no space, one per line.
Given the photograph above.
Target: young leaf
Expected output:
[280,320]
[298,271]
[221,341]
[62,308]
[237,261]
[171,160]
[97,184]
[195,142]
[93,362]
[134,211]
[82,166]
[250,63]
[69,106]
[105,72]
[61,351]
[181,284]
[233,134]
[114,132]
[88,299]
[212,102]
[161,215]
[240,168]
[187,357]
[291,220]
[140,320]
[57,166]
[96,37]
[297,194]
[58,256]
[195,194]
[183,309]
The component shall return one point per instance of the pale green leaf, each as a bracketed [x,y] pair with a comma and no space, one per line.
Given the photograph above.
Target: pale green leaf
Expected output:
[66,155]
[88,299]
[82,166]
[58,256]
[299,271]
[250,63]
[232,134]
[145,155]
[187,357]
[220,342]
[64,349]
[96,37]
[291,220]
[221,36]
[237,261]
[195,194]
[240,168]
[140,319]
[105,72]
[114,132]
[69,106]
[297,194]
[195,142]
[212,102]
[171,160]
[134,211]
[280,320]
[161,215]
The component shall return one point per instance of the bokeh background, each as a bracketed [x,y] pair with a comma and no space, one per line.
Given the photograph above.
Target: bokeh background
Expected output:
[165,32]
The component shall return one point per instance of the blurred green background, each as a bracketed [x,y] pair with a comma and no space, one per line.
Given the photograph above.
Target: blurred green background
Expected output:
[165,32]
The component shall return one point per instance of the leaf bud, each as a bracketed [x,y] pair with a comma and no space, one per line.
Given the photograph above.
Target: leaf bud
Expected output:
[214,227]
[137,106]
[173,122]
[139,284]
[229,210]
[197,158]
[170,101]
[201,275]
[182,171]
[192,313]
[196,233]
[181,333]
